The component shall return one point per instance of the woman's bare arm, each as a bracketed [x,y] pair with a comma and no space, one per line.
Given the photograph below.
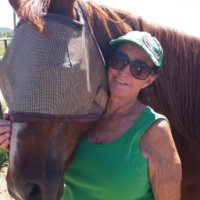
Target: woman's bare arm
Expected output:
[165,173]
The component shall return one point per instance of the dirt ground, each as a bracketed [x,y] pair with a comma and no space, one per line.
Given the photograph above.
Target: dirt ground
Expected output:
[3,187]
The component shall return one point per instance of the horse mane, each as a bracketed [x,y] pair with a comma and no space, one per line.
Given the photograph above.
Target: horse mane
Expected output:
[32,11]
[109,22]
[106,16]
[176,92]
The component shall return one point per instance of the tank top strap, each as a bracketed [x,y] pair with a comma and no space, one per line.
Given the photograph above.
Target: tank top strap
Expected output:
[147,119]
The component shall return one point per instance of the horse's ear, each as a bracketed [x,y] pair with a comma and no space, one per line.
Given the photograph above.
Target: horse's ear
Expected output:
[15,4]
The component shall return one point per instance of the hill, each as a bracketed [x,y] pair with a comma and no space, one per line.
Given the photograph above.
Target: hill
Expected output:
[5,30]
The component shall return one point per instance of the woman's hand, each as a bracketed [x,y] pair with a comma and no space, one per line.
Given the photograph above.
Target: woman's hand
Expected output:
[5,132]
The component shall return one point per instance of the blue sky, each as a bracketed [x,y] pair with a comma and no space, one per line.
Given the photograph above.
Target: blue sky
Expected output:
[182,15]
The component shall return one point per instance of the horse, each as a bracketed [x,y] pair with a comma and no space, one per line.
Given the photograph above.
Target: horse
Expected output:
[36,169]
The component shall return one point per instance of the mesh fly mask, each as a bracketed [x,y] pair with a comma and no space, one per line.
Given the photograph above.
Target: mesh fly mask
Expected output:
[58,72]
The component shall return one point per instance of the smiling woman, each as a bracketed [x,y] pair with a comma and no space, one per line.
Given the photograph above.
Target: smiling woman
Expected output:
[111,160]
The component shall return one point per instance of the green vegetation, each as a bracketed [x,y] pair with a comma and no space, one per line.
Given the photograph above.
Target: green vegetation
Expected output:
[3,154]
[2,45]
[2,50]
[6,35]
[3,158]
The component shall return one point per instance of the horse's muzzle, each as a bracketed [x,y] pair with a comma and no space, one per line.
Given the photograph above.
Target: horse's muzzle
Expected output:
[39,156]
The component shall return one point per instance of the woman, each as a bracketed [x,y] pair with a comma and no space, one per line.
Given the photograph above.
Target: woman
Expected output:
[130,154]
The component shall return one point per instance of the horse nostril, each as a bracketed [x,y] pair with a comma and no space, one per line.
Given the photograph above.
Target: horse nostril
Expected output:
[32,191]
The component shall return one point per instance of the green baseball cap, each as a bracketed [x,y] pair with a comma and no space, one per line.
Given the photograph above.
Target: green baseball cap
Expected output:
[144,40]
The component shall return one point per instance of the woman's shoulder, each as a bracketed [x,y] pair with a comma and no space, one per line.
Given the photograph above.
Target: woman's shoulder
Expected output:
[157,140]
[159,130]
[149,114]
[158,136]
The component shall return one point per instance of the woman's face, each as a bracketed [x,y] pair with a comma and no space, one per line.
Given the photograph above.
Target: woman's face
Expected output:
[121,82]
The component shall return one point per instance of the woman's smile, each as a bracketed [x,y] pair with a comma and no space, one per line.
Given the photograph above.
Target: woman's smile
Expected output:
[119,81]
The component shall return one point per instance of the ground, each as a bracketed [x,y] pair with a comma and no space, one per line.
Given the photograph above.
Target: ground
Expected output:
[3,187]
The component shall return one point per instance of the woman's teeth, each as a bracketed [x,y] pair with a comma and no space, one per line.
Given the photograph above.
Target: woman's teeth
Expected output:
[120,81]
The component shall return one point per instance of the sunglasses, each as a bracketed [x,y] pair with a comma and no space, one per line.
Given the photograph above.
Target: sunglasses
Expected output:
[138,68]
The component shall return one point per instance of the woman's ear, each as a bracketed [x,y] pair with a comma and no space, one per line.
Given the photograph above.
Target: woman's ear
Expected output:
[151,78]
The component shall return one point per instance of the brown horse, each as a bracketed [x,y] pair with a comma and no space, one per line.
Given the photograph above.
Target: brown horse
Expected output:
[41,147]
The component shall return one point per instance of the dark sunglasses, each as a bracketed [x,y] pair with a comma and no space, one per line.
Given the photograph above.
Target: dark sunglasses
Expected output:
[138,68]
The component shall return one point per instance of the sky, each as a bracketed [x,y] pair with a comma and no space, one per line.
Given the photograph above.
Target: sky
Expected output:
[182,15]
[6,14]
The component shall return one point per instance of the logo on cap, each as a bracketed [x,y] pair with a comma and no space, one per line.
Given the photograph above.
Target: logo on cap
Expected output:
[146,42]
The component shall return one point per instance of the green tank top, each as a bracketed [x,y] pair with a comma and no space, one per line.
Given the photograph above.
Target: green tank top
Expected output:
[113,171]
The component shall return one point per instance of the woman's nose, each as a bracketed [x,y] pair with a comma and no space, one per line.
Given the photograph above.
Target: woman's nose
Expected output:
[125,71]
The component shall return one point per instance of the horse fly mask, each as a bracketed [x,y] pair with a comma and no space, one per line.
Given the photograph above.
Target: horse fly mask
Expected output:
[58,72]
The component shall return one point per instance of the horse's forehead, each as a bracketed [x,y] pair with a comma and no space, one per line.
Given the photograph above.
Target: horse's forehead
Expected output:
[58,72]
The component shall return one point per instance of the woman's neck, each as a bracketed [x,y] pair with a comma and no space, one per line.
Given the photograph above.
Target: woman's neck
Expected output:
[120,107]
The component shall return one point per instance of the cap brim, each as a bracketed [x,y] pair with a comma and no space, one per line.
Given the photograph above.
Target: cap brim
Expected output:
[116,42]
